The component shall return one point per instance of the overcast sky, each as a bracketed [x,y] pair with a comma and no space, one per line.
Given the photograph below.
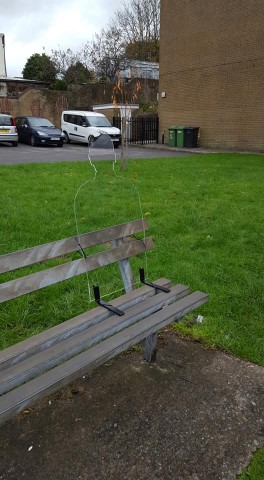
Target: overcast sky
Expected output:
[30,25]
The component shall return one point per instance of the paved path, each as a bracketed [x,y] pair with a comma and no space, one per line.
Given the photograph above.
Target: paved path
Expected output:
[196,414]
[77,152]
[73,152]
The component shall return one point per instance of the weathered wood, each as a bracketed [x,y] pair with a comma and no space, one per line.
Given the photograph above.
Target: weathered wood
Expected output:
[52,336]
[36,281]
[125,269]
[48,251]
[151,347]
[27,394]
[34,365]
[93,337]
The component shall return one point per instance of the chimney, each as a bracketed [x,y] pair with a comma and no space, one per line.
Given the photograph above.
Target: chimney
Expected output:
[2,56]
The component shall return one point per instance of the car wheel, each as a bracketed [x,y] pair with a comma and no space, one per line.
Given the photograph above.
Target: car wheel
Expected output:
[66,140]
[90,140]
[32,141]
[14,144]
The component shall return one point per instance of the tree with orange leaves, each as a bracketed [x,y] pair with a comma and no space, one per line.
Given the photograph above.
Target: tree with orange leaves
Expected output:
[123,98]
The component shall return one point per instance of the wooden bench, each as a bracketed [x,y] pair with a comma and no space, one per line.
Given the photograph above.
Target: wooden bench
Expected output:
[40,365]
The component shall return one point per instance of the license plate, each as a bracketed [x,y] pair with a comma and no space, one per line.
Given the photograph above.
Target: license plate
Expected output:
[55,139]
[4,131]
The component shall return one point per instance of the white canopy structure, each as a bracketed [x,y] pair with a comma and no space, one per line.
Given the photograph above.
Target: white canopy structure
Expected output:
[125,112]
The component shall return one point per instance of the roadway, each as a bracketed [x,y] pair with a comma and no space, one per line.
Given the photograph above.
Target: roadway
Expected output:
[76,152]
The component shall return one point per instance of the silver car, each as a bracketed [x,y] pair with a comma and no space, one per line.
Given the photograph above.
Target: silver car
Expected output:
[8,130]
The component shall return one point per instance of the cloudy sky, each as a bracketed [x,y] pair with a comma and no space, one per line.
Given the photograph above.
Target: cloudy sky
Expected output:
[30,25]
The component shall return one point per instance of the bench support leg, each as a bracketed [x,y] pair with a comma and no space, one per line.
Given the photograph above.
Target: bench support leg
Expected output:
[125,269]
[151,347]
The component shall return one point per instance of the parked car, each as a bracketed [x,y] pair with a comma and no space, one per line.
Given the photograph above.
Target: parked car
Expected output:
[38,131]
[84,127]
[8,130]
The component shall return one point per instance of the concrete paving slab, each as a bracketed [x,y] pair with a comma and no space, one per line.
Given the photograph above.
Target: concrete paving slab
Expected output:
[198,150]
[196,414]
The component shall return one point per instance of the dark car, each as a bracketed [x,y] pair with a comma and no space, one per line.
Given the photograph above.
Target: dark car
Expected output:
[38,131]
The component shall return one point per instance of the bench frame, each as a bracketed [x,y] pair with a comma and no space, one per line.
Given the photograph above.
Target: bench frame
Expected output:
[41,364]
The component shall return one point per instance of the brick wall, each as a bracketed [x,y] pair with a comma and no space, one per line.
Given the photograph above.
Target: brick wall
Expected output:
[50,103]
[212,70]
[39,103]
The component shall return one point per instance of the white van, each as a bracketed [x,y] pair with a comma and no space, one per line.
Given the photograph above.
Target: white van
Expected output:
[84,127]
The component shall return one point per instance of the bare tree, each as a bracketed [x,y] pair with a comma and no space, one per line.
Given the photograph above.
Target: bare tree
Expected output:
[139,22]
[70,64]
[106,52]
[132,33]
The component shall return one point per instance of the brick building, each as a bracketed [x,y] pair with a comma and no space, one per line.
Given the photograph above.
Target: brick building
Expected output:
[212,70]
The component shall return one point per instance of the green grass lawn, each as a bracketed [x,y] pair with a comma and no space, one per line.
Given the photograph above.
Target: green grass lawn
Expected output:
[206,217]
[256,469]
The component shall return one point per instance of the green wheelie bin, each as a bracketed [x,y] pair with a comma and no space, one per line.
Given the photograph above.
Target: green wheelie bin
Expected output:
[172,136]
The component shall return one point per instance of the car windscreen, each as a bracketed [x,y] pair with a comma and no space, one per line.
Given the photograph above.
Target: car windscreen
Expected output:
[98,121]
[40,122]
[5,121]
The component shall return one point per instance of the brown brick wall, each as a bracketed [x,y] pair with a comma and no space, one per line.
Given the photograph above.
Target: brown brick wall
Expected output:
[212,70]
[39,103]
[50,103]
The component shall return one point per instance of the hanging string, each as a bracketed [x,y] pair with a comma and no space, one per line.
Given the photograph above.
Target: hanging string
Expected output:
[76,220]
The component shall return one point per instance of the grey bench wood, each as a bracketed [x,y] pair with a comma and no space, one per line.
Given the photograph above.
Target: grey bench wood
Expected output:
[45,362]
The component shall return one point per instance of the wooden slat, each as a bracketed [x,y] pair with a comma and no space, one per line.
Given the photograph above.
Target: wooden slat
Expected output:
[50,276]
[28,393]
[47,251]
[43,361]
[52,336]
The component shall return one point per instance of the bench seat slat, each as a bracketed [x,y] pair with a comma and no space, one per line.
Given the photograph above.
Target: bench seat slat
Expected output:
[43,361]
[50,276]
[48,251]
[27,394]
[53,335]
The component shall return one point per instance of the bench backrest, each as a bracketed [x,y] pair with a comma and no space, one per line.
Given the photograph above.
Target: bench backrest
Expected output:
[120,247]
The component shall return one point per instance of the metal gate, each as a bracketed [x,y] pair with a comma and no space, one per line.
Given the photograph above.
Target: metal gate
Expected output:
[141,130]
